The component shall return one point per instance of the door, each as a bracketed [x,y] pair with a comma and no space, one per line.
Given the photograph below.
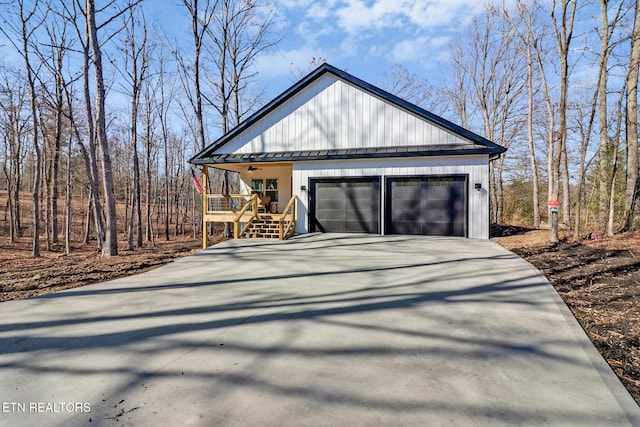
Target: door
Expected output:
[345,205]
[427,205]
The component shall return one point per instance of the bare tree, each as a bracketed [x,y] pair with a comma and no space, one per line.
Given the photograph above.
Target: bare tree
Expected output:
[163,101]
[606,31]
[412,88]
[200,20]
[240,32]
[495,76]
[15,124]
[614,166]
[456,90]
[137,57]
[29,19]
[110,247]
[584,116]
[631,192]
[149,88]
[563,30]
[75,13]
[53,55]
[530,35]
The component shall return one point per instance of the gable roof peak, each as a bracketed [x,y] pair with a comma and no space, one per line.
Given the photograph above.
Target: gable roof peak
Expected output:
[325,68]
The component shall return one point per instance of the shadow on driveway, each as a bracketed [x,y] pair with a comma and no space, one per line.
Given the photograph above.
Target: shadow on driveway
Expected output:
[317,330]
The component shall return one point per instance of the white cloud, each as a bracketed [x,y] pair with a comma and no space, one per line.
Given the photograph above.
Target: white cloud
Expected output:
[410,50]
[358,15]
[292,4]
[441,41]
[444,12]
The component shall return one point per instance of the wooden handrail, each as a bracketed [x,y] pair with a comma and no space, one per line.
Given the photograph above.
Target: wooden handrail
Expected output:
[290,209]
[253,203]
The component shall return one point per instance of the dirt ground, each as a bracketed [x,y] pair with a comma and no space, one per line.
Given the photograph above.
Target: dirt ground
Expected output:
[22,276]
[599,279]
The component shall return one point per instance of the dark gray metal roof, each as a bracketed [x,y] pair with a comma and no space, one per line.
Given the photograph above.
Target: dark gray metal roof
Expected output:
[348,153]
[480,145]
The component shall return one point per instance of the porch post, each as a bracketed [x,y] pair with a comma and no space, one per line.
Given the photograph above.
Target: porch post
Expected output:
[205,208]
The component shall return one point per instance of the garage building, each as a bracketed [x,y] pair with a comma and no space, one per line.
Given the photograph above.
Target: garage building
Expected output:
[336,154]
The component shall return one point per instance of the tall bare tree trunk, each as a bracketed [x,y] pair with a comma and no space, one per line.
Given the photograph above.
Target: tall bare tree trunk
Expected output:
[532,150]
[59,104]
[137,59]
[67,204]
[148,162]
[585,137]
[631,192]
[564,34]
[614,172]
[200,20]
[73,12]
[111,232]
[603,181]
[25,17]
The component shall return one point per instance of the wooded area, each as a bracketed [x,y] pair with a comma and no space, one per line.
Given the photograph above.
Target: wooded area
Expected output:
[105,111]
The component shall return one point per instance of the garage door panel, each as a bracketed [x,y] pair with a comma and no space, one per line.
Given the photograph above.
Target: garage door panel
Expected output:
[439,215]
[434,206]
[345,205]
[403,227]
[441,229]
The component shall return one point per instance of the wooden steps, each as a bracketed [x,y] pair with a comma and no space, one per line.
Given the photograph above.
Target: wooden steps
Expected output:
[263,228]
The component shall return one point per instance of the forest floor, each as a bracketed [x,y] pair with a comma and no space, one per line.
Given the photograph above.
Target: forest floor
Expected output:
[598,279]
[22,276]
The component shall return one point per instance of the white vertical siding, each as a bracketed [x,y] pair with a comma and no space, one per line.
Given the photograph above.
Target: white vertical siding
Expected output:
[473,166]
[333,114]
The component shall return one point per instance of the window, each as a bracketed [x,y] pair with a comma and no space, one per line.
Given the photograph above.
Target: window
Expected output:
[265,187]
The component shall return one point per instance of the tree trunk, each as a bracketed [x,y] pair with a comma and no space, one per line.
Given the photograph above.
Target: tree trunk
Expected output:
[57,145]
[603,181]
[67,205]
[89,153]
[111,232]
[614,172]
[563,39]
[135,200]
[631,191]
[532,149]
[35,252]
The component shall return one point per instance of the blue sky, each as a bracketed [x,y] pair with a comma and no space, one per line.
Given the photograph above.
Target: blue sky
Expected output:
[365,37]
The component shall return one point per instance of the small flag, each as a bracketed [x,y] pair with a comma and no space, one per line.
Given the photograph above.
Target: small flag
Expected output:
[196,182]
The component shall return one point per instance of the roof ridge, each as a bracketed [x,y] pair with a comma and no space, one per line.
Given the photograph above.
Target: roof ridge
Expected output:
[368,87]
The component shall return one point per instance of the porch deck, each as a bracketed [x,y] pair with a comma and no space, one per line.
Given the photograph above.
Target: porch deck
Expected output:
[245,212]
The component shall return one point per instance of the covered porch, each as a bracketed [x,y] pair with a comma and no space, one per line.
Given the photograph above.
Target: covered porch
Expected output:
[261,204]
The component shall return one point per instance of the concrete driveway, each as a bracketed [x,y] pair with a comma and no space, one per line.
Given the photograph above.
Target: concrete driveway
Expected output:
[318,330]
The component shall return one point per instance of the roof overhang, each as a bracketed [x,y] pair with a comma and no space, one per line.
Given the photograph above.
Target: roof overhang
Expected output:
[347,154]
[478,144]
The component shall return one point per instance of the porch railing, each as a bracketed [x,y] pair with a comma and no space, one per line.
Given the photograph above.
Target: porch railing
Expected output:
[287,222]
[242,211]
[227,202]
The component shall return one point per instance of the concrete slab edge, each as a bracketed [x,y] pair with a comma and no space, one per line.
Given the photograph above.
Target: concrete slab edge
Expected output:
[627,404]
